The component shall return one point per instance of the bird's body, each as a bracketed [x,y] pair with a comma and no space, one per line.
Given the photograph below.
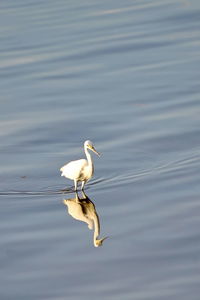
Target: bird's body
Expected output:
[80,170]
[77,170]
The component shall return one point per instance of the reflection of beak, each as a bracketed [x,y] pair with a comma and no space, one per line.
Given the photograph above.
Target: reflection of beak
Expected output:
[95,151]
[100,242]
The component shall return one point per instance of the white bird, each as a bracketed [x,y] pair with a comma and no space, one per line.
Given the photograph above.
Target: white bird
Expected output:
[82,169]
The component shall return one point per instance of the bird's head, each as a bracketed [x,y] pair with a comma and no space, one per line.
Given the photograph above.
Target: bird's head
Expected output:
[89,145]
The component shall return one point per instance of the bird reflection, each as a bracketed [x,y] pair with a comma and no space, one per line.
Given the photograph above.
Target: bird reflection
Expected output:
[83,209]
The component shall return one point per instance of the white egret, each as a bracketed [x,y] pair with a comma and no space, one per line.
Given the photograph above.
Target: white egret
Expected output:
[82,169]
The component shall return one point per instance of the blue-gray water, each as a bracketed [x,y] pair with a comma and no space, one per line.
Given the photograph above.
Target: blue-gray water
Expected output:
[124,74]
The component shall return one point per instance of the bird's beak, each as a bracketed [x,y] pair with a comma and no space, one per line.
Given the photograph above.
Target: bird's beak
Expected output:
[95,151]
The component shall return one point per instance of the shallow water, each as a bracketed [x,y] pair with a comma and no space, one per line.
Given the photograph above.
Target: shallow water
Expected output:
[125,75]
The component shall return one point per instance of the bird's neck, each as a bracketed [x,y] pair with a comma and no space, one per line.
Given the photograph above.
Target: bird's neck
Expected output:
[89,158]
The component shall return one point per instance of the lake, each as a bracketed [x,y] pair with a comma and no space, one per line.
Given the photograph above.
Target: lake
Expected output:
[124,74]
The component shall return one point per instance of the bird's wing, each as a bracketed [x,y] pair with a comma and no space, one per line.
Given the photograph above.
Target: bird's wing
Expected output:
[74,168]
[80,163]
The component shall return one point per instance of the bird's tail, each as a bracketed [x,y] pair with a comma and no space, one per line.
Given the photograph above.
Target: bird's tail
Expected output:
[61,170]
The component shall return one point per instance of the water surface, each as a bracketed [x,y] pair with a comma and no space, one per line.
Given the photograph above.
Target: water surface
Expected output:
[125,75]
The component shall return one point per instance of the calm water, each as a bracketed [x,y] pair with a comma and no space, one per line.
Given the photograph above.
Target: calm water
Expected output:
[124,74]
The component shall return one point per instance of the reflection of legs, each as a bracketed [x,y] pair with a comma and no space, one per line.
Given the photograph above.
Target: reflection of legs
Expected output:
[83,194]
[77,198]
[75,185]
[82,186]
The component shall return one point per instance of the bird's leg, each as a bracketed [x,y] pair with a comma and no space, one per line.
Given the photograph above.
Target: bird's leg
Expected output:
[82,185]
[75,185]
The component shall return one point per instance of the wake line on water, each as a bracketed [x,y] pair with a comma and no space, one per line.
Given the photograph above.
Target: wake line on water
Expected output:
[31,193]
[163,167]
[114,180]
[45,192]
